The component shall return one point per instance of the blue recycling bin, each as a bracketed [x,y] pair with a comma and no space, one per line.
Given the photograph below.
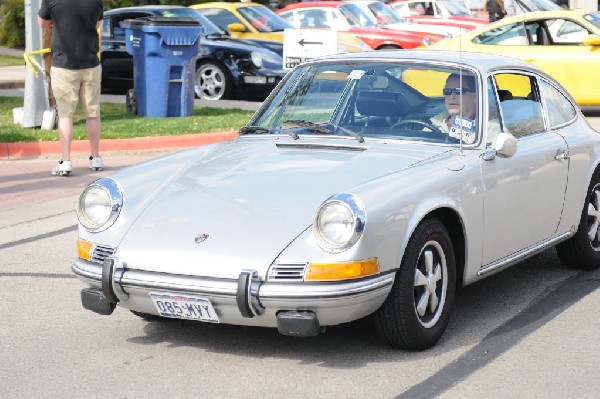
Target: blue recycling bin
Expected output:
[164,52]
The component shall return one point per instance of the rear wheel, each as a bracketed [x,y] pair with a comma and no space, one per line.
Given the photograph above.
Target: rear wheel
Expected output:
[212,82]
[582,251]
[417,310]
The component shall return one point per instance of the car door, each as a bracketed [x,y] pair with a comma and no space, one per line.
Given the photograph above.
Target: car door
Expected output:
[117,63]
[524,194]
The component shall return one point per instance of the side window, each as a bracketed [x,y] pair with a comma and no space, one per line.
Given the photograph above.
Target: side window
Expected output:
[560,110]
[519,103]
[507,35]
[493,122]
[565,31]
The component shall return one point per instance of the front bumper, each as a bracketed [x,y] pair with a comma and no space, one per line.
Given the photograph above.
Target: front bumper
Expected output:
[244,301]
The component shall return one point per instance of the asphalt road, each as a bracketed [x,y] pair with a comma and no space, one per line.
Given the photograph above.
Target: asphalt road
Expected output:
[530,331]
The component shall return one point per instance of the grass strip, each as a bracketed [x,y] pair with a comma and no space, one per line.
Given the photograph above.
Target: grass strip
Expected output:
[117,123]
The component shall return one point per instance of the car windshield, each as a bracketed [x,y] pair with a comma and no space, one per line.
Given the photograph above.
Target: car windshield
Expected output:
[456,9]
[356,16]
[209,27]
[384,14]
[593,18]
[263,19]
[374,100]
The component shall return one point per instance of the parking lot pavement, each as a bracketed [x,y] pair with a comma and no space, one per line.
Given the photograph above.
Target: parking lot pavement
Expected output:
[28,181]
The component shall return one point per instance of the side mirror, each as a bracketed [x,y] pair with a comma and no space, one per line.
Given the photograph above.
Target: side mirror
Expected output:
[505,145]
[236,28]
[592,40]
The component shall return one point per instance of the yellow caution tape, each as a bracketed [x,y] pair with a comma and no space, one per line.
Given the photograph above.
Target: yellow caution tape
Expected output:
[32,63]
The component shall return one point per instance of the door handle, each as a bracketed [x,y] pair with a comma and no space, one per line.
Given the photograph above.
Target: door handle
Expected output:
[562,155]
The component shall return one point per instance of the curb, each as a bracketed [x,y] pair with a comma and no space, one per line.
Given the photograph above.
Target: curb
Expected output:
[21,150]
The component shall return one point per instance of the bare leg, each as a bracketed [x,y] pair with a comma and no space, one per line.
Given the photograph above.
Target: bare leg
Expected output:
[65,132]
[93,126]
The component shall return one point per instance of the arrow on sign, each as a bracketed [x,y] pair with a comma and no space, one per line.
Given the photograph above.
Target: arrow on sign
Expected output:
[302,42]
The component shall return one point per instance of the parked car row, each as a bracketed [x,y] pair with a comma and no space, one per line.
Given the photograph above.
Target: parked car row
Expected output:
[226,67]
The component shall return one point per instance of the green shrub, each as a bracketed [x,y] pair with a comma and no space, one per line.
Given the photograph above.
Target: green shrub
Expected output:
[12,23]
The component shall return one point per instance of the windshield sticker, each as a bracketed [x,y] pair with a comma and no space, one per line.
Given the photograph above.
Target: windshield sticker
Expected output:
[356,74]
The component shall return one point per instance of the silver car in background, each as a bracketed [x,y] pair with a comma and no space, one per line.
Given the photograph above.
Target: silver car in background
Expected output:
[341,199]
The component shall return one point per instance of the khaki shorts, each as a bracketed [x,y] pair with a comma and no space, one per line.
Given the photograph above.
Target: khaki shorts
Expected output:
[72,85]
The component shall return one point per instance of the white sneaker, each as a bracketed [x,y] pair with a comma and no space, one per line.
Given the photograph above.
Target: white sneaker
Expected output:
[62,168]
[96,163]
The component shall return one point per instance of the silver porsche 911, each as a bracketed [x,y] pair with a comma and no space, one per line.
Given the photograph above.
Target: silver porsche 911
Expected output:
[367,184]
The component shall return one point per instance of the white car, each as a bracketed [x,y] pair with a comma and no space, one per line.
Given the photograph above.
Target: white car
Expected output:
[386,16]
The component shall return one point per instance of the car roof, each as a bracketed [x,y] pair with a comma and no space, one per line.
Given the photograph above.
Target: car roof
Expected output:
[225,5]
[480,61]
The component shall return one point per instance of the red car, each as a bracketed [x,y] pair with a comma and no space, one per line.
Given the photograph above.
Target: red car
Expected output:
[350,19]
[438,12]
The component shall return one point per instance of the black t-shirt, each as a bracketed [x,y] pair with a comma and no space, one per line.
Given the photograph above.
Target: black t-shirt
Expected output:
[74,37]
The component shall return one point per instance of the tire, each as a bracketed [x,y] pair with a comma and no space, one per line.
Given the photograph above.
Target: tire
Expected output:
[148,317]
[403,321]
[582,251]
[212,82]
[389,47]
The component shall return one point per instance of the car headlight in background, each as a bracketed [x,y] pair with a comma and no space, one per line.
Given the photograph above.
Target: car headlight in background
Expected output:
[339,223]
[100,204]
[256,59]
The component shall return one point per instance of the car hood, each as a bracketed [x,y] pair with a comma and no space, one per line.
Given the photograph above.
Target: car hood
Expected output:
[240,205]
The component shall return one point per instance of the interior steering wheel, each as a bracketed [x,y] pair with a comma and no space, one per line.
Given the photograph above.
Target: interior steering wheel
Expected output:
[428,125]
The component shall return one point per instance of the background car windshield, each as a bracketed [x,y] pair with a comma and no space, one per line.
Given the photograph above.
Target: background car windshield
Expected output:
[593,18]
[384,14]
[456,9]
[373,100]
[357,17]
[209,27]
[264,20]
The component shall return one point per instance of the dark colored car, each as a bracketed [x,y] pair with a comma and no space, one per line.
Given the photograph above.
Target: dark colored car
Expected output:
[226,68]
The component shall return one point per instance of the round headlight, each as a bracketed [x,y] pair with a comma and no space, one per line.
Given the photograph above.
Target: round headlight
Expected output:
[339,223]
[257,59]
[100,205]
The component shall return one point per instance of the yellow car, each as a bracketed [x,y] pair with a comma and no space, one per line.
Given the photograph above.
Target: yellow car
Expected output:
[256,22]
[565,44]
[245,20]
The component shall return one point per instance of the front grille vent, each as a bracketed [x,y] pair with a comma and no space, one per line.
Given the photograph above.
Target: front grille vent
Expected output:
[102,252]
[287,272]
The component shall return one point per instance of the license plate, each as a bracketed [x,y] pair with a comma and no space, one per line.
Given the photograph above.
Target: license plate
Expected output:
[184,307]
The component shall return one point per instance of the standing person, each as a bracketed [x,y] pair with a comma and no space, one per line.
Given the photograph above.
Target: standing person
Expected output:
[495,9]
[76,72]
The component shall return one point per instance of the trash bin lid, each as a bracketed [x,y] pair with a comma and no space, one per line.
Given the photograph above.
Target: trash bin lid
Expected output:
[167,21]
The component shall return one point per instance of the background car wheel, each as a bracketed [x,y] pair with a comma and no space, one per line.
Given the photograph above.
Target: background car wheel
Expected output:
[389,47]
[417,310]
[212,82]
[582,251]
[131,102]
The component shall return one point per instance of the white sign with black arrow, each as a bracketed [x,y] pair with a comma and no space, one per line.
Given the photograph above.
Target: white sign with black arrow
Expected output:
[300,45]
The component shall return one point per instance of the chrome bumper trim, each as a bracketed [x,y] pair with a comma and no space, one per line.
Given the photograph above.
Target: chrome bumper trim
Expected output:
[228,288]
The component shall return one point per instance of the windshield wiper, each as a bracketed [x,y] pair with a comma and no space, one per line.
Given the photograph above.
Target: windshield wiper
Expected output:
[317,128]
[253,129]
[309,125]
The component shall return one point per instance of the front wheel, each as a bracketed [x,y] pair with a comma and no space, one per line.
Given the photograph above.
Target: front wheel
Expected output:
[417,310]
[212,82]
[582,251]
